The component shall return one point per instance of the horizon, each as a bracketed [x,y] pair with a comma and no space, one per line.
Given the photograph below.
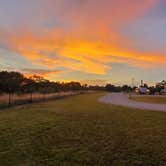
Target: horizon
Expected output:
[89,41]
[100,83]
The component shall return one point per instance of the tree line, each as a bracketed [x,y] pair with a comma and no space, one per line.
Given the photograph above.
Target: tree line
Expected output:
[16,83]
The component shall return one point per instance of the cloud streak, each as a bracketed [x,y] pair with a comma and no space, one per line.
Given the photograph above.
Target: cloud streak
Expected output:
[82,35]
[41,72]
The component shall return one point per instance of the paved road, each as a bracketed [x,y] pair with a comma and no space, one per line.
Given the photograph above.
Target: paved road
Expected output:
[122,100]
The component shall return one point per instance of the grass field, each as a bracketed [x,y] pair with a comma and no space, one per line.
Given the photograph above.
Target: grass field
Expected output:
[150,99]
[79,131]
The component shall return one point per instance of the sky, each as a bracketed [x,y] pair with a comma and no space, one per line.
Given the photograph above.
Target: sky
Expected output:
[91,41]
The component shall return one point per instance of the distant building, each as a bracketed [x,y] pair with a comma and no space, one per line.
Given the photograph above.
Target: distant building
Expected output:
[163,92]
[162,86]
[143,89]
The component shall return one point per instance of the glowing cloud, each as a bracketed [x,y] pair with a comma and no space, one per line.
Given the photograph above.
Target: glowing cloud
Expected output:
[82,35]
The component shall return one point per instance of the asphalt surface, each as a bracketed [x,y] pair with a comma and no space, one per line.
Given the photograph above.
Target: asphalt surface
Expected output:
[123,100]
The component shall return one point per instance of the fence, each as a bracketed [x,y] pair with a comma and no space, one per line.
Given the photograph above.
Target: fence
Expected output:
[35,97]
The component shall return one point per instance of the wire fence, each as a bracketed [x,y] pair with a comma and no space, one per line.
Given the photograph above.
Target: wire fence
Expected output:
[16,99]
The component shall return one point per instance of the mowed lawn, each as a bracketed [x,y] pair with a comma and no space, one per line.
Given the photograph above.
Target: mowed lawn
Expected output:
[79,131]
[150,99]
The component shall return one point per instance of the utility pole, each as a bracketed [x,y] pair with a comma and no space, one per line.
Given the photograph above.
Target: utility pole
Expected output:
[132,82]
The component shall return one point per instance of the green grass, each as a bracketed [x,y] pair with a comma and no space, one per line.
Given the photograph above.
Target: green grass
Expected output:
[150,99]
[79,131]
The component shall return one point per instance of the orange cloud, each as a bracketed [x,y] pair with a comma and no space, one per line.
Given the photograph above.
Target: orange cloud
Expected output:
[42,72]
[90,43]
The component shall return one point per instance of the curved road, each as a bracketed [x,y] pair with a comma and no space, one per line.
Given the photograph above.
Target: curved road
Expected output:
[122,100]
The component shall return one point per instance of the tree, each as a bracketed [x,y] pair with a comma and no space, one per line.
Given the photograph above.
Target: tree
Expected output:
[113,88]
[10,82]
[73,86]
[126,88]
[29,86]
[152,90]
[56,86]
[145,85]
[42,85]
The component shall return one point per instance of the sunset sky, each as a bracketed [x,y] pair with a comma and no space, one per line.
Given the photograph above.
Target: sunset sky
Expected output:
[92,41]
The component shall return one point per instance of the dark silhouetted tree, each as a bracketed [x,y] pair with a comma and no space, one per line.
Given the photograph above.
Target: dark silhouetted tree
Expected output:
[29,86]
[10,82]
